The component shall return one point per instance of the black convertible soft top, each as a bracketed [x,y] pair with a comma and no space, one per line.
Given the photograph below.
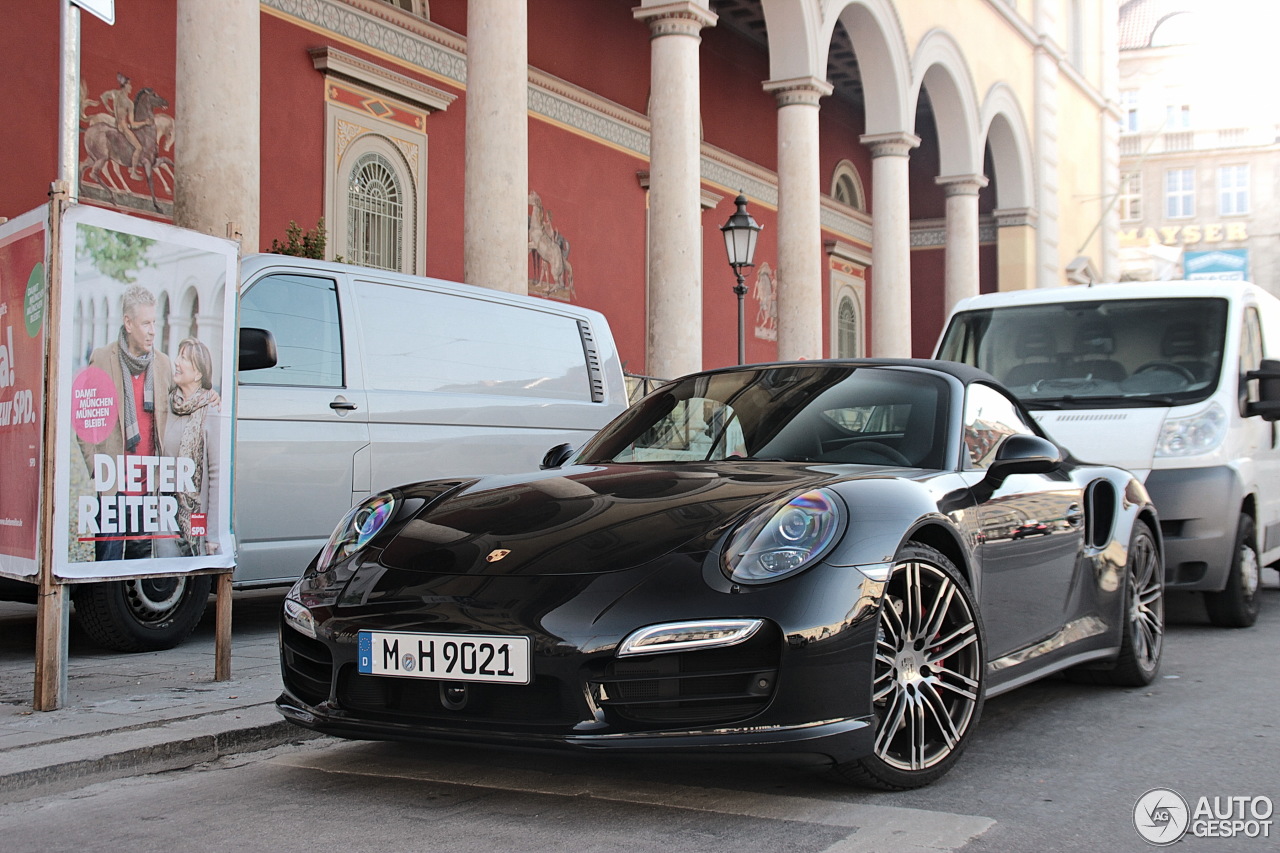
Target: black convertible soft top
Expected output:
[965,373]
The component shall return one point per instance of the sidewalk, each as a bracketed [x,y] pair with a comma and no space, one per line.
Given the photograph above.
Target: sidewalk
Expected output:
[127,714]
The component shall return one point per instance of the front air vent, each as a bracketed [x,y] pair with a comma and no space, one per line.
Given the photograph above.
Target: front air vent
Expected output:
[308,666]
[545,702]
[1100,501]
[687,688]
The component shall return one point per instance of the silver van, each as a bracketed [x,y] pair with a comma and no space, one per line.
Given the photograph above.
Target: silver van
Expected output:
[379,379]
[1174,380]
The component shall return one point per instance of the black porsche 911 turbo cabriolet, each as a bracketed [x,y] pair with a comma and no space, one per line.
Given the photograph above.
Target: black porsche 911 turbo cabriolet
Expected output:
[816,557]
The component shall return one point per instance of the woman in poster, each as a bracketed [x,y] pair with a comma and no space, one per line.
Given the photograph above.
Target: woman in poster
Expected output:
[192,433]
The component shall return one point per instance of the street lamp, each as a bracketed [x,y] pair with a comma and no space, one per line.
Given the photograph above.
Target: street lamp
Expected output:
[740,234]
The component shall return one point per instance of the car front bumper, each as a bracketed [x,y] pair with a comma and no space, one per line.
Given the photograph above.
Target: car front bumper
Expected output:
[1199,509]
[802,684]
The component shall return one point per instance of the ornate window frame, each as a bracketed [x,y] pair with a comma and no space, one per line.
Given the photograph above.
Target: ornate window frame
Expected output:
[371,109]
[847,269]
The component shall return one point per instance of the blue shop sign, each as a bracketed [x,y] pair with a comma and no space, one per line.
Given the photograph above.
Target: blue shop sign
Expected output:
[1219,265]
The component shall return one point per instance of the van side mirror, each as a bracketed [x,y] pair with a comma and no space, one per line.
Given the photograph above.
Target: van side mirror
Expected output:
[257,349]
[1024,454]
[556,456]
[1267,405]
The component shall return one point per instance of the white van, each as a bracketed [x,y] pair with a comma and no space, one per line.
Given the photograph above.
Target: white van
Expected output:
[379,379]
[1168,380]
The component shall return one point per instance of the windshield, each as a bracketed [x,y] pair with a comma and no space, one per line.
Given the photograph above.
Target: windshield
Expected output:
[1113,353]
[811,413]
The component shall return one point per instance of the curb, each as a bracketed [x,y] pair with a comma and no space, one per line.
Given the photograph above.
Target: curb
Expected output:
[32,771]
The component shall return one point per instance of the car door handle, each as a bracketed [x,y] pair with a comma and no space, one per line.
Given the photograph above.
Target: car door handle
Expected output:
[1074,516]
[343,404]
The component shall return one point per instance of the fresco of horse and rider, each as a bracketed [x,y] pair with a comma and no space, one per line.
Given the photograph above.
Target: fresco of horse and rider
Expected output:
[126,154]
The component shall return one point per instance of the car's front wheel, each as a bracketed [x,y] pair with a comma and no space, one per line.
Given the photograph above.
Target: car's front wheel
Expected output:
[928,674]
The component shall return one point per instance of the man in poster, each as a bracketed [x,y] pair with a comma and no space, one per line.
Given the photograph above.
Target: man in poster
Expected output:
[142,378]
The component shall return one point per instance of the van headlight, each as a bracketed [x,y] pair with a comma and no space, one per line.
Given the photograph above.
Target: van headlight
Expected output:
[784,537]
[1194,434]
[358,526]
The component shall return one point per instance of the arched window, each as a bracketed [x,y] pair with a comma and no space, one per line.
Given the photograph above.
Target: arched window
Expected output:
[847,330]
[846,186]
[375,213]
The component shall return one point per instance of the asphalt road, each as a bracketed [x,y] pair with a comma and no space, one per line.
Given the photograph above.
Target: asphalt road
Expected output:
[1053,766]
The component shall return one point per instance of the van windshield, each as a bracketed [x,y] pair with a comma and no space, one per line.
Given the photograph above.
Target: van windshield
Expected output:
[1113,353]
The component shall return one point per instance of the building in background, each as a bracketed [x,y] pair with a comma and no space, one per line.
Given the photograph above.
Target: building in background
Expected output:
[900,154]
[1199,159]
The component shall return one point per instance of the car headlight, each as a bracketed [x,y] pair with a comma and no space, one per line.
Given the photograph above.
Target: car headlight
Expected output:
[298,617]
[1189,436]
[357,527]
[784,537]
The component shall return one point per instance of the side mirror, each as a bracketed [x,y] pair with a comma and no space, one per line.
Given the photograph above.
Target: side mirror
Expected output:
[257,349]
[1024,454]
[1267,405]
[556,456]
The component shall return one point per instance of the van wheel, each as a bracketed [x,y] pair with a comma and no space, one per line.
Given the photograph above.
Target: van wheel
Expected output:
[144,615]
[1236,606]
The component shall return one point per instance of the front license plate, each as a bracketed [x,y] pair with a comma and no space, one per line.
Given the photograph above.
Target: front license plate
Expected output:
[445,657]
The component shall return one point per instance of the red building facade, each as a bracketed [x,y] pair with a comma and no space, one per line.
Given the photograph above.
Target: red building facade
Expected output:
[341,80]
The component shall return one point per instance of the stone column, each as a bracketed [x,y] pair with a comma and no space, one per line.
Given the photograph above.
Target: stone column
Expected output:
[495,237]
[1015,249]
[217,103]
[891,243]
[800,275]
[674,341]
[962,235]
[1109,130]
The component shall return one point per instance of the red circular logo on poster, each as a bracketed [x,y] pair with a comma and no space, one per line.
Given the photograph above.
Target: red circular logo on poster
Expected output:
[93,404]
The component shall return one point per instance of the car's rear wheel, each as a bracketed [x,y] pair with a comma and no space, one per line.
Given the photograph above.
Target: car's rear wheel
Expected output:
[1236,606]
[928,674]
[142,615]
[1143,639]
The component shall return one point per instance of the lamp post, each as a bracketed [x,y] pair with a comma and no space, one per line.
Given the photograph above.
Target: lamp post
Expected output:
[740,234]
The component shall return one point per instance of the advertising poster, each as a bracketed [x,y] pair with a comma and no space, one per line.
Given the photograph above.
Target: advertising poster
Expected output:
[145,389]
[22,315]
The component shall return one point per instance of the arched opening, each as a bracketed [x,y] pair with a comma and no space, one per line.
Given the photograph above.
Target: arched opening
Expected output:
[375,213]
[846,186]
[848,329]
